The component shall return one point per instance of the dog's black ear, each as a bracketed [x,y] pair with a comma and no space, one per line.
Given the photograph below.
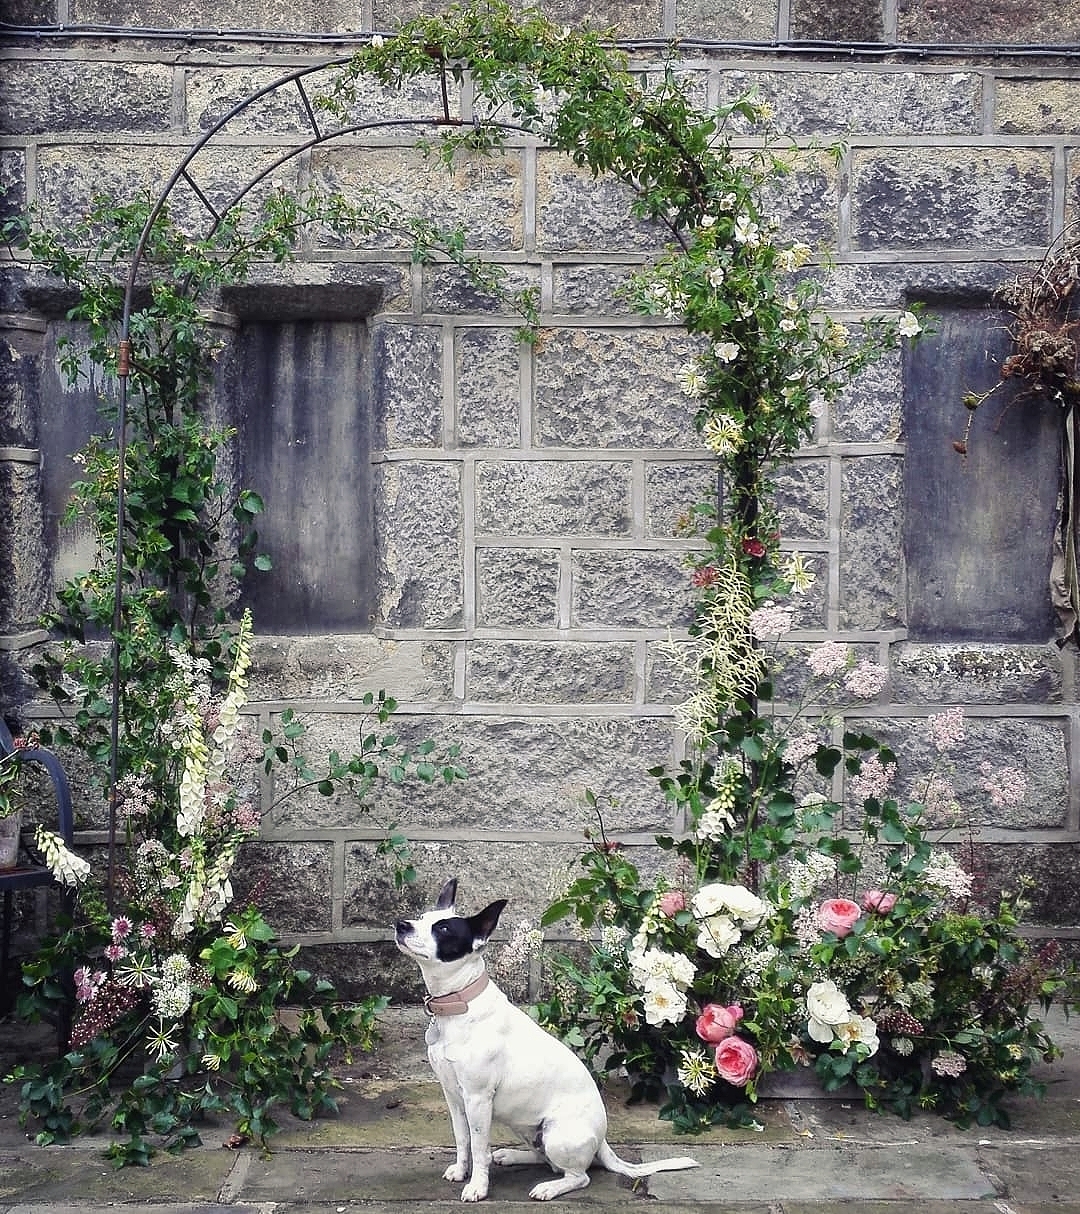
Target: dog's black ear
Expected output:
[447,895]
[484,923]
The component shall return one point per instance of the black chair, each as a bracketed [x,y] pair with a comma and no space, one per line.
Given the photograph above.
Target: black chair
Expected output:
[27,874]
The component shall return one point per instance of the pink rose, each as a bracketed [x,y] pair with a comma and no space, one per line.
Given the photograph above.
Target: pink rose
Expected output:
[838,915]
[878,900]
[672,902]
[716,1023]
[736,1061]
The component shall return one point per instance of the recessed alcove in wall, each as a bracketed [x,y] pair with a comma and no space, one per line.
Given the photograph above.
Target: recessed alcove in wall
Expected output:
[295,380]
[303,407]
[978,530]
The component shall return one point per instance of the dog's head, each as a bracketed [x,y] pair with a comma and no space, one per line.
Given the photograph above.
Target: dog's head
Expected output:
[442,936]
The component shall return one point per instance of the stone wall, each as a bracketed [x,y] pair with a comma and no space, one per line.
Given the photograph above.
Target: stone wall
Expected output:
[519,565]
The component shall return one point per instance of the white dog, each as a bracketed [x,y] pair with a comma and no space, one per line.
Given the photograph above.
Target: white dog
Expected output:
[493,1061]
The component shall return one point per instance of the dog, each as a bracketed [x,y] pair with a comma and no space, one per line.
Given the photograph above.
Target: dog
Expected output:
[494,1062]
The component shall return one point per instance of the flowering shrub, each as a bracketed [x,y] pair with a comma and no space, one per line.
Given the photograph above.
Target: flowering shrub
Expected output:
[808,920]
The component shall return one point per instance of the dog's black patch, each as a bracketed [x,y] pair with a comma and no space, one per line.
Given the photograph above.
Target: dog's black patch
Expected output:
[453,937]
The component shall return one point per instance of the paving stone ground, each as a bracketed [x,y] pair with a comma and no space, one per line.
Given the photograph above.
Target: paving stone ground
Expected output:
[384,1153]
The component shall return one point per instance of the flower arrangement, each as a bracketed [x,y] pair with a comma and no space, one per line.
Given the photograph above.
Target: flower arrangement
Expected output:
[808,920]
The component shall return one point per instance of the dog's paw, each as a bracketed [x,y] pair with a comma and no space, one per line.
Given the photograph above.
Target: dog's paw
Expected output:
[474,1192]
[456,1172]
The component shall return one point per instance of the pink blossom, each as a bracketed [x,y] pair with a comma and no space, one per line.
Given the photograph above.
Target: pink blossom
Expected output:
[866,680]
[703,577]
[672,902]
[147,931]
[873,779]
[716,1022]
[838,915]
[946,728]
[828,659]
[121,928]
[878,900]
[736,1061]
[115,952]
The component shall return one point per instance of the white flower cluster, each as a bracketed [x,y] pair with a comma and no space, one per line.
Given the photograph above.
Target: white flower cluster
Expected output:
[806,876]
[943,874]
[171,994]
[663,977]
[723,913]
[830,1020]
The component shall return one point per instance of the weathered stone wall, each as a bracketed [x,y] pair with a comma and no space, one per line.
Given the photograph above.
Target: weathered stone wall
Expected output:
[526,574]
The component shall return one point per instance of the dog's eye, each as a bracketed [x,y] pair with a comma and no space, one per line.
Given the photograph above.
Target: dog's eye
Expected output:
[439,929]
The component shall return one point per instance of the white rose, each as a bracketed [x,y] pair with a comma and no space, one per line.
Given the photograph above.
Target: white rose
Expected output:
[664,1004]
[858,1030]
[709,900]
[827,1004]
[717,934]
[744,905]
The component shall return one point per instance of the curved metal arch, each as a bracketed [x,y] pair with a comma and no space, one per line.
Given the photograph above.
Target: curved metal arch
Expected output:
[123,372]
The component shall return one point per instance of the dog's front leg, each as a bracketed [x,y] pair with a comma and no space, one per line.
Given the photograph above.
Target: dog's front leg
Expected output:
[459,1169]
[478,1111]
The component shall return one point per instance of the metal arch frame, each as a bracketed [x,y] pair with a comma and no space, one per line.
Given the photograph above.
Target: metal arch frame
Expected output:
[123,371]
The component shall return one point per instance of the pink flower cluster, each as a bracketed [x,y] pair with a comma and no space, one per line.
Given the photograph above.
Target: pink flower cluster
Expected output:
[736,1059]
[87,983]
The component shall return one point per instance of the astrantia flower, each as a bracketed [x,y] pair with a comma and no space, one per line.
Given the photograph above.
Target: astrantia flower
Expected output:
[948,1064]
[121,928]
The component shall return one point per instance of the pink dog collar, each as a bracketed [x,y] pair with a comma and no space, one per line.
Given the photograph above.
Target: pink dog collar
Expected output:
[457,1002]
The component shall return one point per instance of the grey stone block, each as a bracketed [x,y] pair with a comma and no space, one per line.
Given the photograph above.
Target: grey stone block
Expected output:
[727,19]
[1054,872]
[551,497]
[978,199]
[817,20]
[1037,748]
[802,498]
[323,16]
[671,489]
[1036,107]
[630,589]
[408,386]
[25,571]
[488,380]
[70,176]
[21,347]
[517,587]
[627,19]
[448,288]
[977,674]
[864,102]
[557,672]
[12,182]
[871,409]
[71,95]
[931,21]
[613,388]
[577,212]
[345,667]
[211,93]
[483,196]
[529,775]
[590,290]
[417,514]
[291,882]
[870,523]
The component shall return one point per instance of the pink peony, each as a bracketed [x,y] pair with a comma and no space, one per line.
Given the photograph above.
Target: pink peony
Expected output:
[838,915]
[736,1061]
[716,1022]
[878,900]
[672,902]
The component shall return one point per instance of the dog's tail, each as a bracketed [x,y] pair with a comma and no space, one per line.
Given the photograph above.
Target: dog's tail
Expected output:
[607,1158]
